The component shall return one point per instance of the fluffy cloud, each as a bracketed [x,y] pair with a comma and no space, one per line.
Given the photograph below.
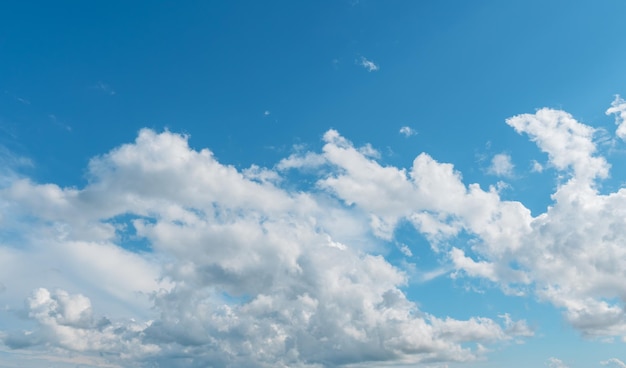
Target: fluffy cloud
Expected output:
[571,255]
[501,165]
[238,271]
[568,143]
[232,269]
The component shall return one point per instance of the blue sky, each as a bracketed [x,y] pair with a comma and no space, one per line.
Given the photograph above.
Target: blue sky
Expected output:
[312,184]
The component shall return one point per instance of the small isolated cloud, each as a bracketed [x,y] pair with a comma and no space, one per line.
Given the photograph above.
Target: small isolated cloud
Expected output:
[405,250]
[536,167]
[501,165]
[614,362]
[618,108]
[266,113]
[407,131]
[556,363]
[101,86]
[368,64]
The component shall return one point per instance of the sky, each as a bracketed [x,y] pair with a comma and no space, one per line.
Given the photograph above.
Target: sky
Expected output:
[347,183]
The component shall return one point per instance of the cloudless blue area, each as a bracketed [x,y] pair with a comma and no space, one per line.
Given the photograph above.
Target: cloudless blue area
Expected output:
[249,79]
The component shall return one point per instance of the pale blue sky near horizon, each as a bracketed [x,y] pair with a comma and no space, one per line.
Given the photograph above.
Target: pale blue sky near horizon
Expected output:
[255,82]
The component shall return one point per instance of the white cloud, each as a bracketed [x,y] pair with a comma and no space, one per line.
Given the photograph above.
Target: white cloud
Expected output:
[309,160]
[266,113]
[536,167]
[67,322]
[368,64]
[405,250]
[369,151]
[239,271]
[501,165]
[571,255]
[614,362]
[407,131]
[568,143]
[618,108]
[556,363]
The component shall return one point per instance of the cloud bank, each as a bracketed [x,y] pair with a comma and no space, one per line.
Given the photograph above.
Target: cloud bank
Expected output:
[167,257]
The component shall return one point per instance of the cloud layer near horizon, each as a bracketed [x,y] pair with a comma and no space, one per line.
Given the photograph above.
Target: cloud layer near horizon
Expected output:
[229,268]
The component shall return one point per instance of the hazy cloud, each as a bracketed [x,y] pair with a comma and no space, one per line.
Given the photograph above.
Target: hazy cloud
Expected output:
[556,363]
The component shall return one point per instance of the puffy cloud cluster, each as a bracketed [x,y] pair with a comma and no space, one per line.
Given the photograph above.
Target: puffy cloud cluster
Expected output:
[66,321]
[232,269]
[572,255]
[239,271]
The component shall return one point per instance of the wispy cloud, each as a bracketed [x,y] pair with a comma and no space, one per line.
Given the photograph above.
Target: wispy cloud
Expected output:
[103,87]
[408,131]
[556,363]
[618,108]
[368,64]
[59,123]
[405,250]
[536,166]
[614,362]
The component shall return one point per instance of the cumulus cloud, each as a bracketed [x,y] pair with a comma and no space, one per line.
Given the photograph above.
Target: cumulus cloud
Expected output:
[238,270]
[501,165]
[568,143]
[66,321]
[571,255]
[407,131]
[369,65]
